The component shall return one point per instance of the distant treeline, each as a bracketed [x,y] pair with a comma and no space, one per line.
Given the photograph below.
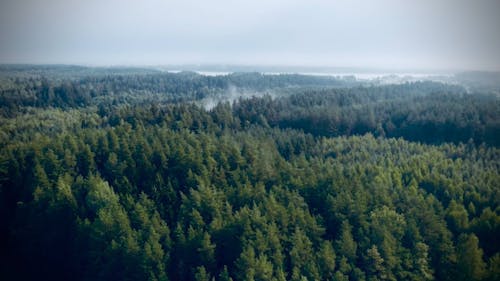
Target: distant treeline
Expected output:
[324,106]
[425,112]
[66,91]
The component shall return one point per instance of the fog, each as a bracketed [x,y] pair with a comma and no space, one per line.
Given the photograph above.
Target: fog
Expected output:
[230,95]
[387,34]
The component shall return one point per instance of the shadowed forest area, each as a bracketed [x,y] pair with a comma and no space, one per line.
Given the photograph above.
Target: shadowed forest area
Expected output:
[126,174]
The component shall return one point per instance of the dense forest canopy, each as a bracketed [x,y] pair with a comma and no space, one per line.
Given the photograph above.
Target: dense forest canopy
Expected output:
[126,174]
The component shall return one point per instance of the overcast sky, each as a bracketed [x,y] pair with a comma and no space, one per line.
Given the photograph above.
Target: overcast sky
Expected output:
[391,34]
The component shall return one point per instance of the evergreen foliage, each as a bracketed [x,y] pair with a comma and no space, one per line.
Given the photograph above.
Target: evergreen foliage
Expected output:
[312,185]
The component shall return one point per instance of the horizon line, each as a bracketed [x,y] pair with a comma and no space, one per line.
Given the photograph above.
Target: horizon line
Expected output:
[230,67]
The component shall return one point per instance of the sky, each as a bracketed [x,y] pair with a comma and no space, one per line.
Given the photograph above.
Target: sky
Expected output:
[384,34]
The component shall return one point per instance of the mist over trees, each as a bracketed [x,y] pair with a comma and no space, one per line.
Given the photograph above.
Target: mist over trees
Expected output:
[123,175]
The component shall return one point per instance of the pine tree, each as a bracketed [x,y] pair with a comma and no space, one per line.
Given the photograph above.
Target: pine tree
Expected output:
[422,263]
[470,263]
[201,274]
[224,275]
[326,260]
[345,244]
[375,264]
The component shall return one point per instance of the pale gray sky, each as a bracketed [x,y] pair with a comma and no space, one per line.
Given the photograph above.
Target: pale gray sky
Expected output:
[404,34]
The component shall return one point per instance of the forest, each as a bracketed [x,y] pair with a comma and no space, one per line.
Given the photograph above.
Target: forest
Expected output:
[126,174]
